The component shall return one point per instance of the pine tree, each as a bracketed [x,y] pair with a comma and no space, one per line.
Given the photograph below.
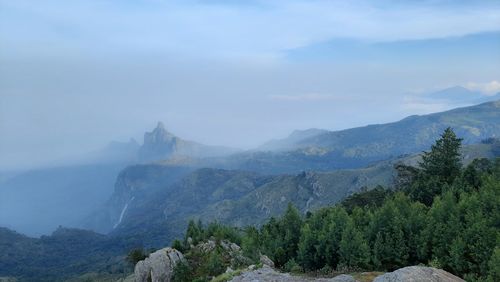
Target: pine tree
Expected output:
[307,249]
[444,158]
[291,225]
[353,249]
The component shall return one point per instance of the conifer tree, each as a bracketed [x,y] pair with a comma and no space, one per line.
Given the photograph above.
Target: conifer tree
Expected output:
[353,249]
[443,160]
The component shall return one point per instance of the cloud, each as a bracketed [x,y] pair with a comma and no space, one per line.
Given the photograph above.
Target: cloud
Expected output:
[488,88]
[260,30]
[422,106]
[307,97]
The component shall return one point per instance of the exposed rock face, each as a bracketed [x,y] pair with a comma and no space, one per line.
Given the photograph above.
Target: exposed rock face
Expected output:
[418,274]
[265,260]
[268,274]
[158,267]
[161,144]
[230,250]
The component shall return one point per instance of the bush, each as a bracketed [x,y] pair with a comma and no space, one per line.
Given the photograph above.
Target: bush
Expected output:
[292,266]
[182,273]
[136,255]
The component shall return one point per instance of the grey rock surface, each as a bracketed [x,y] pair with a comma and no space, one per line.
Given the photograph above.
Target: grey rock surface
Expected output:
[418,274]
[268,274]
[158,267]
[265,260]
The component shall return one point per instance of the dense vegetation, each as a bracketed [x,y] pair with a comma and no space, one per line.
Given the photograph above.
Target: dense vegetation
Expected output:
[441,214]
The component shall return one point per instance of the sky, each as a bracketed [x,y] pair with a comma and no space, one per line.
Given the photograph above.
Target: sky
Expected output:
[75,75]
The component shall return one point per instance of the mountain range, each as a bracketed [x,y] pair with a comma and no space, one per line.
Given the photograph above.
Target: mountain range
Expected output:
[55,190]
[161,184]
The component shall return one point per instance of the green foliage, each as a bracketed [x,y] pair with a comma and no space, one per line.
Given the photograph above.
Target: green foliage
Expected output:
[439,168]
[292,266]
[136,255]
[182,273]
[353,251]
[215,265]
[251,243]
[371,198]
[494,265]
[443,216]
[443,161]
[178,245]
[281,237]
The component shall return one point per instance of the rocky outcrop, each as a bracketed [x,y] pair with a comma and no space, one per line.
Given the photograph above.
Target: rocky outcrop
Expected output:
[265,260]
[418,274]
[158,267]
[266,273]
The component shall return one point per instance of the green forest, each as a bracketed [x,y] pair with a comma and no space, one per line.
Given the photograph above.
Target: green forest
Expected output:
[439,213]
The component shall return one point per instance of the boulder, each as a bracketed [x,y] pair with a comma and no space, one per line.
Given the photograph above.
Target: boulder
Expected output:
[418,274]
[266,273]
[265,260]
[158,266]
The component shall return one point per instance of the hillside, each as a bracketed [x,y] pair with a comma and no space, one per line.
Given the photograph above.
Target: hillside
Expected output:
[362,146]
[55,196]
[65,253]
[162,206]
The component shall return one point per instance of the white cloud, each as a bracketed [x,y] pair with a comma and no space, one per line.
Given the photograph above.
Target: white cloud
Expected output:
[262,30]
[488,88]
[307,97]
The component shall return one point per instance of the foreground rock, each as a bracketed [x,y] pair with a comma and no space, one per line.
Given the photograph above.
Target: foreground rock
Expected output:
[158,267]
[418,274]
[266,273]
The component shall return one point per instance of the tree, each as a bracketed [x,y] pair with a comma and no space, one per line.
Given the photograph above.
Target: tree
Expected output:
[195,232]
[494,264]
[291,225]
[331,235]
[251,243]
[136,255]
[439,169]
[353,250]
[444,158]
[307,254]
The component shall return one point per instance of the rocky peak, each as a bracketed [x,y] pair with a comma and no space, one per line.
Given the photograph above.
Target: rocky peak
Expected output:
[158,144]
[158,136]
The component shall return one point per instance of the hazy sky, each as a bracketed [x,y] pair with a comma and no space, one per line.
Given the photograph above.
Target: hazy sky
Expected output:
[75,75]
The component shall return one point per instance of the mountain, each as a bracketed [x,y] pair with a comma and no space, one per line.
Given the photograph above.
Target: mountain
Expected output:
[294,137]
[64,254]
[133,185]
[362,146]
[161,144]
[151,204]
[459,95]
[35,202]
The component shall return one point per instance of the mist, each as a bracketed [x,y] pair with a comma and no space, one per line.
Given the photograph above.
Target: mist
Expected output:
[75,77]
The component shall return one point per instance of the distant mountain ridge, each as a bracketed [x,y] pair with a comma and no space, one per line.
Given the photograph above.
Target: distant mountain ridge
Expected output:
[160,202]
[461,95]
[361,146]
[161,144]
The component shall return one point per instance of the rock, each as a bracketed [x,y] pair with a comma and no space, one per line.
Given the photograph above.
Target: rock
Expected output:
[418,274]
[265,260]
[229,246]
[343,278]
[158,267]
[229,270]
[266,273]
[206,247]
[130,278]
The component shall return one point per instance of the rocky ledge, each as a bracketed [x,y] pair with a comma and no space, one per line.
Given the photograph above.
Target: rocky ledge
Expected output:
[158,267]
[417,274]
